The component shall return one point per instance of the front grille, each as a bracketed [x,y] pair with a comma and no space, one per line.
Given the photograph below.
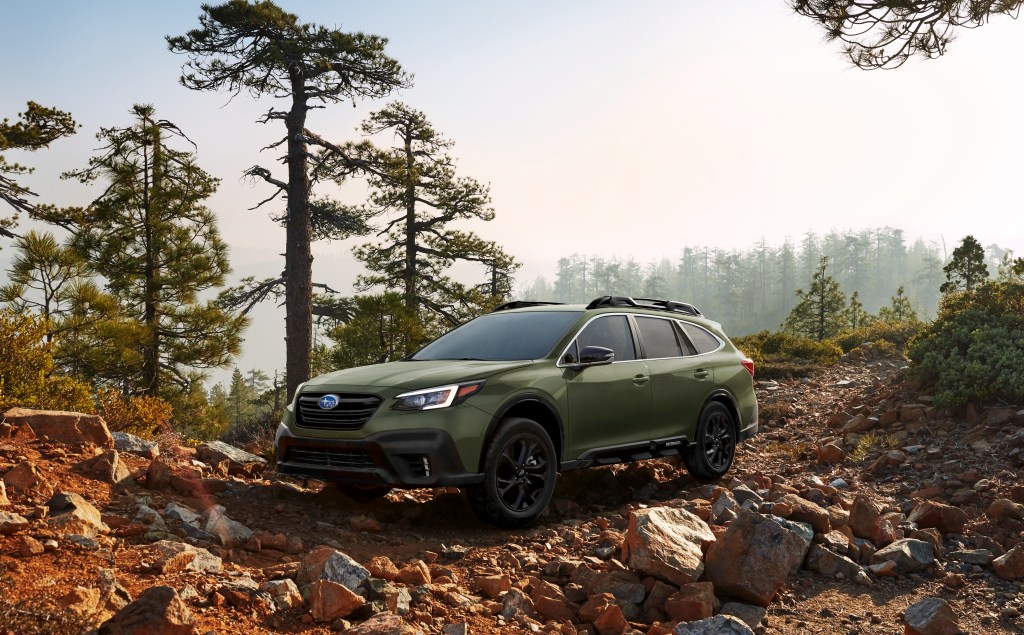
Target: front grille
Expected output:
[352,411]
[350,459]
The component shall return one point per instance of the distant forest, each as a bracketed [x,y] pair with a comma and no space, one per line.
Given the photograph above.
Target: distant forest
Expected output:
[753,290]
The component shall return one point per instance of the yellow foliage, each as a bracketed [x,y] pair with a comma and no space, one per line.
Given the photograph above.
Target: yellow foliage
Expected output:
[27,376]
[140,415]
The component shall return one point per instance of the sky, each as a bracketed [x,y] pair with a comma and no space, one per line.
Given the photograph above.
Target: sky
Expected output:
[621,129]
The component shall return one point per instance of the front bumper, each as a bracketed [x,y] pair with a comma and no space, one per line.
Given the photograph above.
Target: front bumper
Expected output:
[400,458]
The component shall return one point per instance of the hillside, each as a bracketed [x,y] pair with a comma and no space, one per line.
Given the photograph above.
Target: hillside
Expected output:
[907,505]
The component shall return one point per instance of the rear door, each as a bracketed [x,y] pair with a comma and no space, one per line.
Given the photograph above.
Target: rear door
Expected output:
[680,379]
[609,405]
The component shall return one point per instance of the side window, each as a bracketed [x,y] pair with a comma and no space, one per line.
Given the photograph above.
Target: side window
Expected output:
[610,332]
[702,340]
[659,338]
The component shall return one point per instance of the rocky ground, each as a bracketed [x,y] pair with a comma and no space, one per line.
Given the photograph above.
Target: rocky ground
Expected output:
[860,508]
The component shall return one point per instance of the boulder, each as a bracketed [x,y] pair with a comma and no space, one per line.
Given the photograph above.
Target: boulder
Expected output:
[28,546]
[80,600]
[125,442]
[666,543]
[1005,508]
[197,558]
[239,462]
[515,603]
[72,428]
[414,574]
[492,586]
[753,558]
[946,518]
[158,474]
[611,621]
[909,555]
[804,511]
[866,520]
[157,610]
[4,501]
[11,523]
[231,533]
[70,513]
[828,563]
[717,625]
[930,616]
[326,563]
[114,596]
[25,478]
[385,624]
[1010,566]
[106,467]
[382,567]
[694,601]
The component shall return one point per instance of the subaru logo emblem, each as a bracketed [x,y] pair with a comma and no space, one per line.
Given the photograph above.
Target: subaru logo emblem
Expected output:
[328,402]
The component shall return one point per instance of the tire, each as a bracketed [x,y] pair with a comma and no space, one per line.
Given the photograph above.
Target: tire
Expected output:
[714,448]
[362,493]
[519,475]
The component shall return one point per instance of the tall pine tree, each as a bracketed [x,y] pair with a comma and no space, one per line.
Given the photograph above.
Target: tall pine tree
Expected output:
[820,312]
[967,268]
[151,237]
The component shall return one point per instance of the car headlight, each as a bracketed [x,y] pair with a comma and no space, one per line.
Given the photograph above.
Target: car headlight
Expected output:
[439,397]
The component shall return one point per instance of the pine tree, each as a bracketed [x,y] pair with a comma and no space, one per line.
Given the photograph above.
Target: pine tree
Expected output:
[155,243]
[259,48]
[820,312]
[856,316]
[967,269]
[35,129]
[899,310]
[383,330]
[416,193]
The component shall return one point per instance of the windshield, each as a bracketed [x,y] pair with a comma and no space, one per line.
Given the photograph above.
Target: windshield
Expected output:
[502,337]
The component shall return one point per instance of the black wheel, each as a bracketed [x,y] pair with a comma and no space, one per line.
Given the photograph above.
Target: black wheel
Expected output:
[519,475]
[711,454]
[362,493]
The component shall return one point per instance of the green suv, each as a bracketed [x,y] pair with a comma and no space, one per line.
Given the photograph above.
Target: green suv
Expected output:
[501,404]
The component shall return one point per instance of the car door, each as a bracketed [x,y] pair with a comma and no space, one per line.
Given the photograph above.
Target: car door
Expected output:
[680,379]
[609,405]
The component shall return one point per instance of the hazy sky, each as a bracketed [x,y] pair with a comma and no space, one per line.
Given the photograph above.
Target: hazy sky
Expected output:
[626,129]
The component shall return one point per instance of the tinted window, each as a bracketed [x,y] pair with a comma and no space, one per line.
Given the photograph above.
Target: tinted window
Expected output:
[502,337]
[659,338]
[610,332]
[704,341]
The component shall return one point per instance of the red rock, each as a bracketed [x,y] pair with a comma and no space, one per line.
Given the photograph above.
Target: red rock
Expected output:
[28,546]
[365,523]
[4,501]
[25,478]
[268,540]
[946,518]
[594,606]
[383,624]
[611,621]
[414,574]
[382,567]
[865,519]
[158,474]
[654,604]
[63,427]
[330,600]
[106,467]
[80,600]
[695,601]
[493,585]
[831,454]
[1010,566]
[157,611]
[553,608]
[1005,508]
[803,510]
[11,523]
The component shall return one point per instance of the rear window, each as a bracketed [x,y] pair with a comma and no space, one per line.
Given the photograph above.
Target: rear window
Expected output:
[502,337]
[659,338]
[702,339]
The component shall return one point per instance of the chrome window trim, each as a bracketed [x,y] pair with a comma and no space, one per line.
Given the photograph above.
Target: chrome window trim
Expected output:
[572,340]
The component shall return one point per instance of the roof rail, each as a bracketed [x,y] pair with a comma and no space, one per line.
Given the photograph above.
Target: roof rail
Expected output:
[645,303]
[518,304]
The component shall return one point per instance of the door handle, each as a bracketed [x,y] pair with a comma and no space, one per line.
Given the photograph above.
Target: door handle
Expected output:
[640,380]
[701,373]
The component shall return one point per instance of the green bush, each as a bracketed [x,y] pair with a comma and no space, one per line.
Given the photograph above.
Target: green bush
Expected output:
[894,332]
[974,350]
[783,354]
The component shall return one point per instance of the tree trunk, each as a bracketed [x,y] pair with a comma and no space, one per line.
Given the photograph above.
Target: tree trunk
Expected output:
[411,301]
[298,257]
[151,350]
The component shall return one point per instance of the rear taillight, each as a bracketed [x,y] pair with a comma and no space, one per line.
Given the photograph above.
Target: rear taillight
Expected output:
[749,365]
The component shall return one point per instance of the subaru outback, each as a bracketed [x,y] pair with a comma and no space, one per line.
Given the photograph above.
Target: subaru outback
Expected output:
[500,405]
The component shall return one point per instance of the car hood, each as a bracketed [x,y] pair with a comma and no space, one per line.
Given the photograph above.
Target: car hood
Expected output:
[413,375]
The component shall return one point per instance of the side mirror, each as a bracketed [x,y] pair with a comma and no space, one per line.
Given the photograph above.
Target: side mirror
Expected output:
[595,356]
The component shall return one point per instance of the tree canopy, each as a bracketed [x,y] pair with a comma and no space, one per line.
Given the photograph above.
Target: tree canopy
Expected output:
[35,129]
[967,268]
[877,34]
